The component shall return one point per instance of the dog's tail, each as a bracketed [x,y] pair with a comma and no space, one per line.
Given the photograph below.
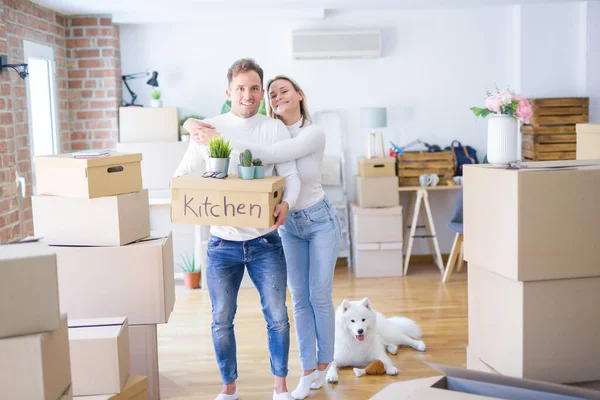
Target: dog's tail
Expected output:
[407,326]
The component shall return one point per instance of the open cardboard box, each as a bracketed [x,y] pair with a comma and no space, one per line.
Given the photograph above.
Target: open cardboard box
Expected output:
[463,384]
[225,202]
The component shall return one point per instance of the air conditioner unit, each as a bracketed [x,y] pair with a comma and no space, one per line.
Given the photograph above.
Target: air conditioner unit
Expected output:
[332,44]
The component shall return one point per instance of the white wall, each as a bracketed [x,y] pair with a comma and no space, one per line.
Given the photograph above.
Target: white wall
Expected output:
[436,65]
[593,60]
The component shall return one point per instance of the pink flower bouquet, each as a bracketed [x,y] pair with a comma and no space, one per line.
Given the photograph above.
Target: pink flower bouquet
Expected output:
[505,102]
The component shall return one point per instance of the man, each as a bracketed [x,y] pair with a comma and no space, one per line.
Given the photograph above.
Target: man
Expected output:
[260,250]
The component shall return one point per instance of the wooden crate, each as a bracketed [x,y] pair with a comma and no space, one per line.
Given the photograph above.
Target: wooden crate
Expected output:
[551,133]
[413,164]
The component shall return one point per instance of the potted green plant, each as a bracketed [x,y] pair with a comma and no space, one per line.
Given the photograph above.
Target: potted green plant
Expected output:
[259,168]
[246,169]
[184,135]
[219,151]
[156,102]
[191,272]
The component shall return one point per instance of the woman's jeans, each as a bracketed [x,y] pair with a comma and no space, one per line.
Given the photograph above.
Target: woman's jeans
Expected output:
[311,242]
[264,259]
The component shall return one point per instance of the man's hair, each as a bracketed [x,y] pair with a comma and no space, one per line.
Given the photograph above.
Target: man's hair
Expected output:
[244,65]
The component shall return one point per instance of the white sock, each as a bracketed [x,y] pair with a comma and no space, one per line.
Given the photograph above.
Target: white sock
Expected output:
[320,380]
[304,385]
[282,396]
[223,396]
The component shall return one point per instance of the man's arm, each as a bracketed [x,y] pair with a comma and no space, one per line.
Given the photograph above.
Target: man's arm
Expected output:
[288,170]
[194,159]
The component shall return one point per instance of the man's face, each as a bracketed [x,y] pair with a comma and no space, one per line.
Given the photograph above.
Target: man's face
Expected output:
[245,93]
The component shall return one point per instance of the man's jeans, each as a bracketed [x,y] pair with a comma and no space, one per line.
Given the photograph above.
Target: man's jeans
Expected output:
[265,261]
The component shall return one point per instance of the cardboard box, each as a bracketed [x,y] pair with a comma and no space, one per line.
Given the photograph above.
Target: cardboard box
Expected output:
[148,124]
[28,289]
[225,202]
[374,260]
[376,167]
[475,363]
[99,355]
[104,221]
[377,192]
[136,388]
[63,175]
[136,280]
[588,141]
[533,224]
[463,384]
[36,366]
[68,395]
[159,160]
[144,356]
[546,330]
[376,225]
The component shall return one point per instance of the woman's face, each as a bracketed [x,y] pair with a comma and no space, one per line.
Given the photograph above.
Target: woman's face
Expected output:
[283,97]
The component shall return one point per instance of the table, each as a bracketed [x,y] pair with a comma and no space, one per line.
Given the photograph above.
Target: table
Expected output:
[420,195]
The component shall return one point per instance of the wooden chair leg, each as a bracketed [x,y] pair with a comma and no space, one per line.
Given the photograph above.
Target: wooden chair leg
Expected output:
[454,254]
[461,259]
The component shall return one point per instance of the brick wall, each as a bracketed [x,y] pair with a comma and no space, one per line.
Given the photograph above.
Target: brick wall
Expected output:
[88,69]
[95,89]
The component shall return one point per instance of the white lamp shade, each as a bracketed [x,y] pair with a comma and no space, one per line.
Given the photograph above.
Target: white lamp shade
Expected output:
[373,117]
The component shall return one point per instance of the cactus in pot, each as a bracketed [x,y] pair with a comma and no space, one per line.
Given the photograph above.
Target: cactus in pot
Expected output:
[246,168]
[259,168]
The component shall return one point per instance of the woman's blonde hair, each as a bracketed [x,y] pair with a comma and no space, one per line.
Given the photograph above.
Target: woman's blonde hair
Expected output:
[306,118]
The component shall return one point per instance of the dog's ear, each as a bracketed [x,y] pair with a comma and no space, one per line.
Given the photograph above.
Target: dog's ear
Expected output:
[345,305]
[366,302]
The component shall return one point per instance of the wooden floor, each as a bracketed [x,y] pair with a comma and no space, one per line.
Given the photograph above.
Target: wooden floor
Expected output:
[186,357]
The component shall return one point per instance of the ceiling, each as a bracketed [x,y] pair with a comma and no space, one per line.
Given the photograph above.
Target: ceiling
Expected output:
[139,11]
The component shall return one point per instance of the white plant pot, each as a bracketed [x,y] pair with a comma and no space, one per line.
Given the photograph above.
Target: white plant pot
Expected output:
[156,103]
[185,138]
[502,139]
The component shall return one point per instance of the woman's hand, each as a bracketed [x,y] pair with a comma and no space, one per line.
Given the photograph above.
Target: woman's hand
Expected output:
[200,131]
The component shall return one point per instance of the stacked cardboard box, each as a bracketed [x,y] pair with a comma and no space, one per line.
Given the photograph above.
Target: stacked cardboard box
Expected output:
[95,215]
[377,220]
[531,238]
[588,141]
[34,343]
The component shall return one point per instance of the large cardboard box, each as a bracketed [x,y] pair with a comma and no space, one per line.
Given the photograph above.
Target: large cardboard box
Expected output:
[533,224]
[148,124]
[463,384]
[136,388]
[376,225]
[588,141]
[63,175]
[136,281]
[475,363]
[144,356]
[376,167]
[547,330]
[374,260]
[104,221]
[99,355]
[225,202]
[68,394]
[377,192]
[28,289]
[36,366]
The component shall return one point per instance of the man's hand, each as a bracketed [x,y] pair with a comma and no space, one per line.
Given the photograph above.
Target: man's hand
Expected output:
[280,213]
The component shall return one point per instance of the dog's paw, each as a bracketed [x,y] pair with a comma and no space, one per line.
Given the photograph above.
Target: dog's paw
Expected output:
[332,377]
[391,370]
[421,345]
[392,348]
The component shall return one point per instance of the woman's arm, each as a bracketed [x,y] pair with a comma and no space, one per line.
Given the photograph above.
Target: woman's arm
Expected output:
[311,139]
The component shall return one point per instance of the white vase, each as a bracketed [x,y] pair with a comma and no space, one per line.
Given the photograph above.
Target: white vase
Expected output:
[502,139]
[156,103]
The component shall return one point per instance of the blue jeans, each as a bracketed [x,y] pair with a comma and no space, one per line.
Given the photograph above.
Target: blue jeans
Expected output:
[264,259]
[311,240]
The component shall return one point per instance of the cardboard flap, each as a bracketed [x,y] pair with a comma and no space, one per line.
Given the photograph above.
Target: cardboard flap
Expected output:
[135,384]
[94,332]
[93,322]
[67,161]
[485,377]
[25,249]
[232,183]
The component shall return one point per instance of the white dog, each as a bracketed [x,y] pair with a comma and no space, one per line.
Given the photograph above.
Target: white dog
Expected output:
[363,335]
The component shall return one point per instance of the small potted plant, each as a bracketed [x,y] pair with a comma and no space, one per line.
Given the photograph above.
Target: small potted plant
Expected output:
[219,151]
[191,272]
[259,168]
[156,102]
[246,169]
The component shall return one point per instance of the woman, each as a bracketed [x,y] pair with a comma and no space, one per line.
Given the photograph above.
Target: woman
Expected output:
[311,234]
